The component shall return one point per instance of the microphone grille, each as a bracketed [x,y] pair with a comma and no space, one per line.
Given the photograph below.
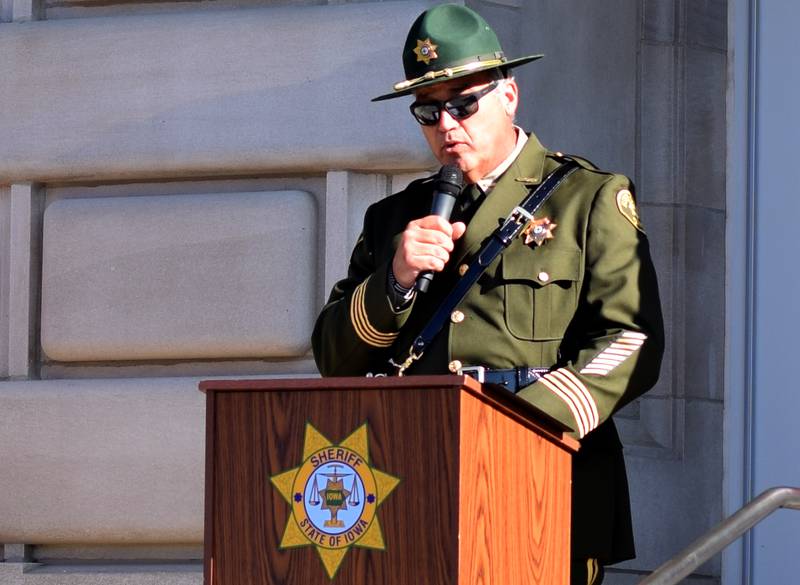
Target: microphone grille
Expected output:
[451,175]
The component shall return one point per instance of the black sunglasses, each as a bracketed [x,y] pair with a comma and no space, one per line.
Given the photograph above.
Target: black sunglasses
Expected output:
[459,107]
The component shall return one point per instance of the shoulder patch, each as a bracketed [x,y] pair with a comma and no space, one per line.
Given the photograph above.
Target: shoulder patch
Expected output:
[627,207]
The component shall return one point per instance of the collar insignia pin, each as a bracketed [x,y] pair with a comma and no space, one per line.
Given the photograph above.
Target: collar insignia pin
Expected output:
[426,51]
[538,231]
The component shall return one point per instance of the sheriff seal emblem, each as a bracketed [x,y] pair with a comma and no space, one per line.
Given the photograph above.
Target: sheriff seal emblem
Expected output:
[539,231]
[425,51]
[334,496]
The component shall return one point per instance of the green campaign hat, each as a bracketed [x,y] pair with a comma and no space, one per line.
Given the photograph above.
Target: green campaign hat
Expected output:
[446,42]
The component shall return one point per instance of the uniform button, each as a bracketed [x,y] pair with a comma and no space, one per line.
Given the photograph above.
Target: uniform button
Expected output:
[456,316]
[543,276]
[462,270]
[454,366]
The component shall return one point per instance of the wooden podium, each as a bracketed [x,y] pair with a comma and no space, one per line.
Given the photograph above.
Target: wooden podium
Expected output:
[448,483]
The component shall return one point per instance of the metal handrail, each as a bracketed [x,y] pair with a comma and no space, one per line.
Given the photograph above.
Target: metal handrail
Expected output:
[713,541]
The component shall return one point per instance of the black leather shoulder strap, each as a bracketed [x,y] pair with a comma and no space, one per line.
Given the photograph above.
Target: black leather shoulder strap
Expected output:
[500,239]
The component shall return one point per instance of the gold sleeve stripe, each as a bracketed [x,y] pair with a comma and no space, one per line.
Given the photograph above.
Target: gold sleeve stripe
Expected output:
[620,350]
[568,400]
[363,328]
[584,397]
[634,335]
[592,571]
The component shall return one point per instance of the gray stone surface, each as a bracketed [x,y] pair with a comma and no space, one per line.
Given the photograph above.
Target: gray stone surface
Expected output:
[5,283]
[221,92]
[109,553]
[653,427]
[23,10]
[659,20]
[582,97]
[22,276]
[35,574]
[102,461]
[334,221]
[658,153]
[707,23]
[677,500]
[347,196]
[252,367]
[59,9]
[241,366]
[704,349]
[364,190]
[17,553]
[179,277]
[705,121]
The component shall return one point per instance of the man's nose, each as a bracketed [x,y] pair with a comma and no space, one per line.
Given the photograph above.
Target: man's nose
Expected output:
[446,121]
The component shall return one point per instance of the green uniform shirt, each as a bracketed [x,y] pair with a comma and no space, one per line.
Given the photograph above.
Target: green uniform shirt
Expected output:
[584,303]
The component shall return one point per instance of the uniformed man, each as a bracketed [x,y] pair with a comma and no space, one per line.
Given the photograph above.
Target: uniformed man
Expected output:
[568,316]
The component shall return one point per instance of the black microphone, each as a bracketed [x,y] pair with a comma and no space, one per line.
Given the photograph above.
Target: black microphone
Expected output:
[448,185]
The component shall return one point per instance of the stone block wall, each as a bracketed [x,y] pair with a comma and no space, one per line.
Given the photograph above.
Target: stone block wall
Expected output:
[181,184]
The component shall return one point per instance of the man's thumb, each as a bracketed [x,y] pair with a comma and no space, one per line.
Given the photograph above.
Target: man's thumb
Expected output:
[459,228]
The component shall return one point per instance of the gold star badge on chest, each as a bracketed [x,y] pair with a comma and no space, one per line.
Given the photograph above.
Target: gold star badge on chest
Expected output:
[426,51]
[538,231]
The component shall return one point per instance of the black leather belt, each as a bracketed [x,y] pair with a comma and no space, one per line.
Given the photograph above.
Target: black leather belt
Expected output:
[513,379]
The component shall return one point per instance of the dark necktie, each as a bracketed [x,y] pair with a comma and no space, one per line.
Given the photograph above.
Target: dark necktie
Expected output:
[468,203]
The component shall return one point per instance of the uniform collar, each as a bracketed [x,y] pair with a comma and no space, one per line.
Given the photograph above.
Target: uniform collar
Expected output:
[487,182]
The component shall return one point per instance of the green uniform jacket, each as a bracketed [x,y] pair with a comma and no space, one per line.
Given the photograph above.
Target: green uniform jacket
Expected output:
[584,303]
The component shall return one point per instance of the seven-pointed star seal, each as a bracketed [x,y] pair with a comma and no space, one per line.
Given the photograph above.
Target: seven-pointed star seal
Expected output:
[539,230]
[425,51]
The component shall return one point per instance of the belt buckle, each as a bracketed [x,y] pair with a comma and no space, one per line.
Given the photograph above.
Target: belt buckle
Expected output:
[476,372]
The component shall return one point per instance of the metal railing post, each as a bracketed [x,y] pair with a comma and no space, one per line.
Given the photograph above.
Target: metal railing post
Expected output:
[705,547]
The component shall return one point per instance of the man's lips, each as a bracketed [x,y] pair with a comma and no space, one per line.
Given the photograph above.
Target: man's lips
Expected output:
[453,147]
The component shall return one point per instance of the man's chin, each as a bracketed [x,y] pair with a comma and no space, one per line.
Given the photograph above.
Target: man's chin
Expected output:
[452,158]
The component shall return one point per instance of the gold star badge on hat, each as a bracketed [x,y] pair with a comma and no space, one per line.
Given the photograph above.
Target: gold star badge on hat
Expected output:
[539,230]
[425,51]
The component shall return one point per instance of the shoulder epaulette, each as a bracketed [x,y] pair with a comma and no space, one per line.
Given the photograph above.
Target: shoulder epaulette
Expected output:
[584,162]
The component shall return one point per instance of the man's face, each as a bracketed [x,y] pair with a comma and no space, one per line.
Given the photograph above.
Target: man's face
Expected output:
[482,141]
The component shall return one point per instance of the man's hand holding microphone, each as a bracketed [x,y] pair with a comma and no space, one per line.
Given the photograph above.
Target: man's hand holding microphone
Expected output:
[426,243]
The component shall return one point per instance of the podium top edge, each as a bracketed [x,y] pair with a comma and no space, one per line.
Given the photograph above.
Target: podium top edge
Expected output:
[342,383]
[512,405]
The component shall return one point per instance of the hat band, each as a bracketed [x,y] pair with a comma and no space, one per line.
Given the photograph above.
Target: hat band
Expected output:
[448,72]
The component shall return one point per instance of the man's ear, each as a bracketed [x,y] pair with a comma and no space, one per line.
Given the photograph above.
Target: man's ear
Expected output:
[510,95]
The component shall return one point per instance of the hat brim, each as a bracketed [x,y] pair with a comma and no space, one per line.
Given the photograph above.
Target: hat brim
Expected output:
[441,79]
